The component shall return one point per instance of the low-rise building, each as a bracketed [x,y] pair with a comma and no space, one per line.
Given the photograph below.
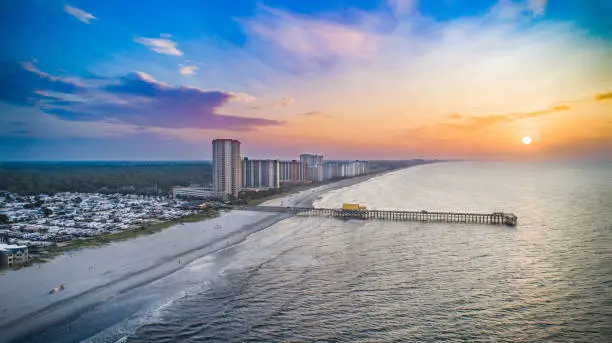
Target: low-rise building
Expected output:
[196,192]
[13,255]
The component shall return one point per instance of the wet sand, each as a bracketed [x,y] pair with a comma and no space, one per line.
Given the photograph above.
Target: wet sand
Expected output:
[94,275]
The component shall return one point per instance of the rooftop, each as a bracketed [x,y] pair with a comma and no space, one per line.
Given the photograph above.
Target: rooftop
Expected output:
[4,247]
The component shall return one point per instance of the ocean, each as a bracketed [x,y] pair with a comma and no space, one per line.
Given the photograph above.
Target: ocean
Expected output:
[317,279]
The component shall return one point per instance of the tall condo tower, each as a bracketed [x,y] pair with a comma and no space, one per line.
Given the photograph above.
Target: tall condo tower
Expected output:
[314,167]
[260,173]
[226,166]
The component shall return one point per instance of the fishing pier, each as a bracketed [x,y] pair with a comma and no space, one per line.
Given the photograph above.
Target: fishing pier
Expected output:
[496,218]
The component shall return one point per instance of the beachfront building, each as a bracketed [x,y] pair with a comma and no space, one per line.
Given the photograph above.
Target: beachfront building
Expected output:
[13,255]
[258,174]
[342,169]
[226,166]
[293,172]
[314,166]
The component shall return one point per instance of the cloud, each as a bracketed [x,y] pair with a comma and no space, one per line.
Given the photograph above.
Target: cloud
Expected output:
[29,66]
[138,83]
[133,99]
[537,7]
[401,7]
[509,9]
[552,109]
[160,45]
[283,102]
[416,70]
[19,81]
[361,45]
[462,124]
[79,14]
[148,102]
[40,125]
[286,101]
[476,122]
[310,38]
[188,70]
[314,114]
[603,96]
[242,97]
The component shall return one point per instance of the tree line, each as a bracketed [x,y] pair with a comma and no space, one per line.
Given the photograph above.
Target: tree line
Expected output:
[30,178]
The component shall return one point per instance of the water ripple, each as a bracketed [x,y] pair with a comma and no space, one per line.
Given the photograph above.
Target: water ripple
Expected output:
[334,281]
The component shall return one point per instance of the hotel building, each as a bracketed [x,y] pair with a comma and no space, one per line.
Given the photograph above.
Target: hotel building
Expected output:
[293,172]
[259,174]
[226,166]
[314,166]
[342,169]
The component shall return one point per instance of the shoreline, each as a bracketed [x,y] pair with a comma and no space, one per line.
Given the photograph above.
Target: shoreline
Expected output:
[51,253]
[100,241]
[141,260]
[310,195]
[37,321]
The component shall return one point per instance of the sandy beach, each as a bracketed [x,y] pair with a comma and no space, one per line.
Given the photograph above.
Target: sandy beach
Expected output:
[93,276]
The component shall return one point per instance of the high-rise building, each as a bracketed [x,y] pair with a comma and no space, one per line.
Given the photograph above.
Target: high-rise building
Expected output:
[341,169]
[260,173]
[314,167]
[293,172]
[226,166]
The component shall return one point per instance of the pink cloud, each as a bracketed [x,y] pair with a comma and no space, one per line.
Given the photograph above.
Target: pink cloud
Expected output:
[286,101]
[312,37]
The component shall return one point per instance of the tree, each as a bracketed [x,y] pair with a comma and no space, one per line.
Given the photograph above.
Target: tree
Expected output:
[4,219]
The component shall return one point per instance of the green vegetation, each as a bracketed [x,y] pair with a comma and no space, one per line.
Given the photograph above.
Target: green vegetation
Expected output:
[30,178]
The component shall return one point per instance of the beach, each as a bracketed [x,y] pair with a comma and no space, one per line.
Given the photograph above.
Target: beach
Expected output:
[269,278]
[95,275]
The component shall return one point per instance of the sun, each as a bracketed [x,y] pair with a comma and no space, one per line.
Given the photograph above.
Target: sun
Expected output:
[526,140]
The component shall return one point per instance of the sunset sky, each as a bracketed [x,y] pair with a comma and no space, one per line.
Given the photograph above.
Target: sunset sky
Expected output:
[367,79]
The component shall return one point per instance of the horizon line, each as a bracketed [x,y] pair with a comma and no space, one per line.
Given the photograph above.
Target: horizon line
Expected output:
[210,160]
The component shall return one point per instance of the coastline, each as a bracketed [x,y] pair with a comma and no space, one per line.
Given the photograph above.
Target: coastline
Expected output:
[307,197]
[100,241]
[140,260]
[310,194]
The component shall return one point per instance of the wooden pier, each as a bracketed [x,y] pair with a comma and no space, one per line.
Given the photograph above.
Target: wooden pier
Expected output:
[497,218]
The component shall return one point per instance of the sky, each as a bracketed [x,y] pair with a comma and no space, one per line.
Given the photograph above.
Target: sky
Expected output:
[362,79]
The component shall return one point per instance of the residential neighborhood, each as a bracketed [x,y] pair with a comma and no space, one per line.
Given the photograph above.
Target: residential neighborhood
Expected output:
[44,220]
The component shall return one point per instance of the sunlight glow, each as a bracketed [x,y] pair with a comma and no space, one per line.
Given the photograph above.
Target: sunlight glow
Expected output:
[526,140]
